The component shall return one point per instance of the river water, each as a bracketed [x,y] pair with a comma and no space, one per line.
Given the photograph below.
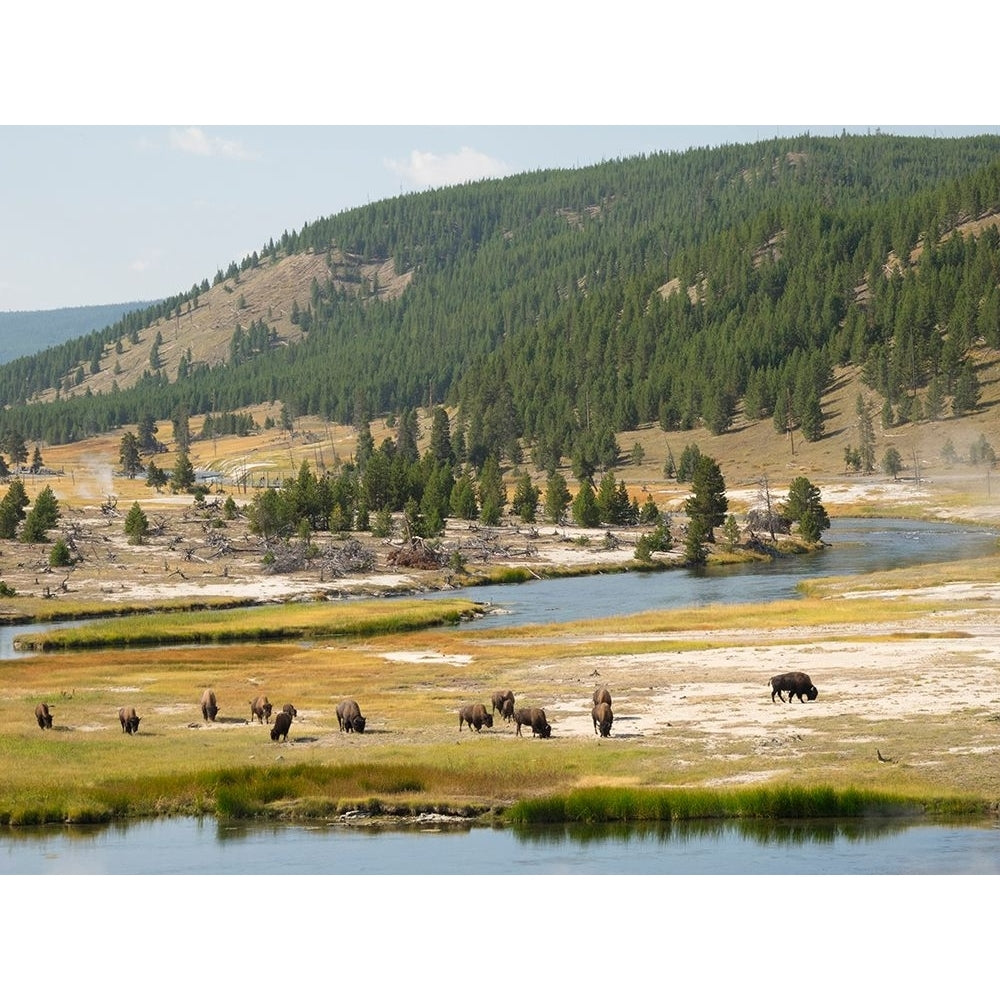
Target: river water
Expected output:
[856,547]
[209,847]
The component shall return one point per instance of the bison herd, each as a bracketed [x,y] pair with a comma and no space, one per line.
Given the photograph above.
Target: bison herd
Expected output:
[474,716]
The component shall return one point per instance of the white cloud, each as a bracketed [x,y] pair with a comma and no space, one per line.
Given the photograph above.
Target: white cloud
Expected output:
[197,142]
[423,170]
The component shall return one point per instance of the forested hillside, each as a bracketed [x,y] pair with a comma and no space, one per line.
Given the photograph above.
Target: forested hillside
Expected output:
[31,331]
[555,309]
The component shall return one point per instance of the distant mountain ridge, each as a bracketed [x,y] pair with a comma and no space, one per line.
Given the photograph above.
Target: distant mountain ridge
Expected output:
[29,331]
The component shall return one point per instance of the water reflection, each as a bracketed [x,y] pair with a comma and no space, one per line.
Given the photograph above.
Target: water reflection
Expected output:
[209,847]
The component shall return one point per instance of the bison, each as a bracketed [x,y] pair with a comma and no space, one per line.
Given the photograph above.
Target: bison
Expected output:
[350,718]
[289,709]
[499,697]
[476,716]
[602,696]
[535,718]
[209,706]
[260,709]
[795,683]
[282,723]
[603,717]
[129,720]
[44,716]
[507,709]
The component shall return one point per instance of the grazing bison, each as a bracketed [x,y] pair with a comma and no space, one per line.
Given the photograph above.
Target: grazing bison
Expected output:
[289,709]
[209,706]
[602,696]
[260,709]
[44,716]
[603,717]
[535,718]
[282,723]
[507,709]
[350,718]
[499,697]
[129,720]
[476,716]
[795,683]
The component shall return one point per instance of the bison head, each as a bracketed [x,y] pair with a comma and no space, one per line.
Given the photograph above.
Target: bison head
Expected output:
[811,693]
[359,724]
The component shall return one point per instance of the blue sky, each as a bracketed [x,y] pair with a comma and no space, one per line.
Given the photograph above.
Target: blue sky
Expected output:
[100,214]
[97,207]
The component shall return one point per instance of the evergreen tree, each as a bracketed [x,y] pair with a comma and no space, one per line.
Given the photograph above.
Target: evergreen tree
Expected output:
[966,397]
[803,505]
[707,504]
[892,462]
[492,496]
[60,554]
[128,455]
[440,446]
[607,499]
[586,512]
[43,516]
[182,478]
[866,435]
[136,524]
[525,502]
[12,508]
[146,433]
[463,498]
[36,460]
[13,444]
[156,478]
[557,498]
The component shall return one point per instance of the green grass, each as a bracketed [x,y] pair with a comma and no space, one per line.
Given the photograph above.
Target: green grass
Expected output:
[621,805]
[258,624]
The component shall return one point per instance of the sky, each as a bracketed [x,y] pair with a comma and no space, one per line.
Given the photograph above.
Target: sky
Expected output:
[97,207]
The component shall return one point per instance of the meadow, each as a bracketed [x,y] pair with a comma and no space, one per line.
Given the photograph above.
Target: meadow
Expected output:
[908,718]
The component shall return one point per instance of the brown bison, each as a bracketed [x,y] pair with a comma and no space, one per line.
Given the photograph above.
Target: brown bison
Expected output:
[44,716]
[603,717]
[129,720]
[209,706]
[260,709]
[289,709]
[499,697]
[476,716]
[282,723]
[795,683]
[350,718]
[507,709]
[535,718]
[602,696]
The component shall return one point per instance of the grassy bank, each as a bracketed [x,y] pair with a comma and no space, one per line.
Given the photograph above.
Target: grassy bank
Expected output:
[292,622]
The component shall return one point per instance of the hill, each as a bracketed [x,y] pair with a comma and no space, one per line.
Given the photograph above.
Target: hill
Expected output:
[740,298]
[30,331]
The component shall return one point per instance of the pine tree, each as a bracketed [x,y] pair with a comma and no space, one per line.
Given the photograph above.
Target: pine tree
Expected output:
[557,498]
[492,496]
[136,524]
[128,455]
[525,502]
[586,511]
[803,505]
[43,516]
[707,504]
[182,478]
